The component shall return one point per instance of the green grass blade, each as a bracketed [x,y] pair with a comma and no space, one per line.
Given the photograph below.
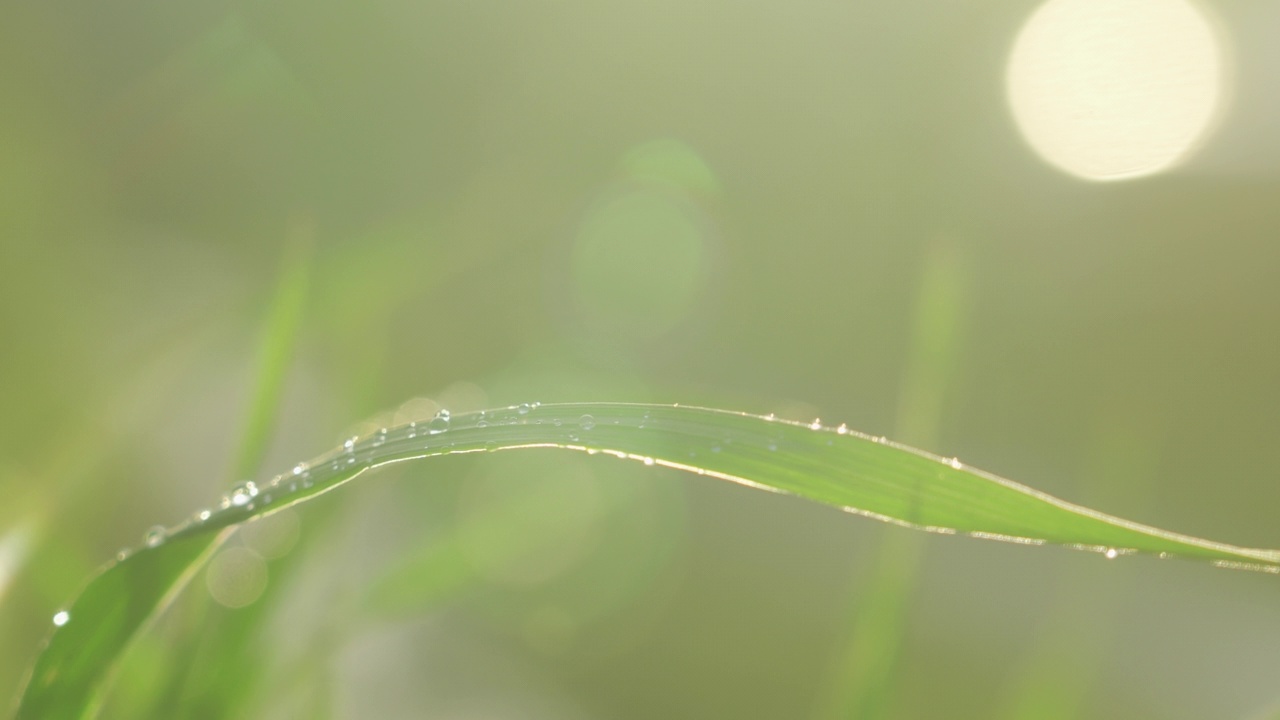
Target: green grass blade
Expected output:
[275,351]
[850,471]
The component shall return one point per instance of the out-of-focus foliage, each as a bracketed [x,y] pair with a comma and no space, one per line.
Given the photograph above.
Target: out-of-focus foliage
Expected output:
[472,179]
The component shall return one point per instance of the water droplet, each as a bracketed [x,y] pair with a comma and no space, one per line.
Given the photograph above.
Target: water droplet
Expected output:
[1111,553]
[556,422]
[243,493]
[154,537]
[955,463]
[843,429]
[439,423]
[481,420]
[299,468]
[380,437]
[200,516]
[61,618]
[413,429]
[816,424]
[771,417]
[122,556]
[648,461]
[523,408]
[586,422]
[350,444]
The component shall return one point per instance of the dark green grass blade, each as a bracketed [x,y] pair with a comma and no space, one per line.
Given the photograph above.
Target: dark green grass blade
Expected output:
[847,470]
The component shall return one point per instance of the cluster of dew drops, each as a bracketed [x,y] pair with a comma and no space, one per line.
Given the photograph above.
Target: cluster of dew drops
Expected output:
[247,496]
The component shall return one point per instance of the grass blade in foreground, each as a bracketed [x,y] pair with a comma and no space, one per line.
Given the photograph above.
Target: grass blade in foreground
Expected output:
[853,472]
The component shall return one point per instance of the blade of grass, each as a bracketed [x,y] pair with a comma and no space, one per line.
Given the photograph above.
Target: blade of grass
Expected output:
[1053,681]
[217,694]
[847,470]
[275,351]
[864,677]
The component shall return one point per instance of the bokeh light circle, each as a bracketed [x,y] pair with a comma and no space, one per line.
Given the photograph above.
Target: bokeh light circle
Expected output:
[1115,89]
[236,577]
[638,263]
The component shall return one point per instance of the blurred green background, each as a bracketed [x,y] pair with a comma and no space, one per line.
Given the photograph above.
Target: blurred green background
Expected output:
[763,206]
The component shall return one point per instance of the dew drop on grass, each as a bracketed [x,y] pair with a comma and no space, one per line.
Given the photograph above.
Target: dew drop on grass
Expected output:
[523,408]
[299,468]
[243,493]
[380,437]
[439,423]
[586,422]
[61,618]
[350,444]
[154,537]
[816,424]
[1111,553]
[955,463]
[648,461]
[843,429]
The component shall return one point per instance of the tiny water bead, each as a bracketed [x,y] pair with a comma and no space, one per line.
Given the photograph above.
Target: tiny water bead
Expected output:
[816,424]
[586,422]
[61,618]
[350,444]
[843,429]
[244,493]
[1111,553]
[299,469]
[523,408]
[955,463]
[154,537]
[439,423]
[380,437]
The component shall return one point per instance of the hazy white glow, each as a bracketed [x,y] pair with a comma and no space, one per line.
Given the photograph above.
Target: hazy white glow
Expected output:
[61,617]
[13,552]
[1112,89]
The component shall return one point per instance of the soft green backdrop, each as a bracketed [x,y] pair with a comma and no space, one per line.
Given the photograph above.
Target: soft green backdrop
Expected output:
[724,203]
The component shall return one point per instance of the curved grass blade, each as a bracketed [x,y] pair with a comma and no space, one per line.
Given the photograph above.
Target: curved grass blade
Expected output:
[847,470]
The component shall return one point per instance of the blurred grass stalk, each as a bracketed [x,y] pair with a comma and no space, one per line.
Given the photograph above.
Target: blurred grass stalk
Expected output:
[1054,681]
[863,678]
[187,686]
